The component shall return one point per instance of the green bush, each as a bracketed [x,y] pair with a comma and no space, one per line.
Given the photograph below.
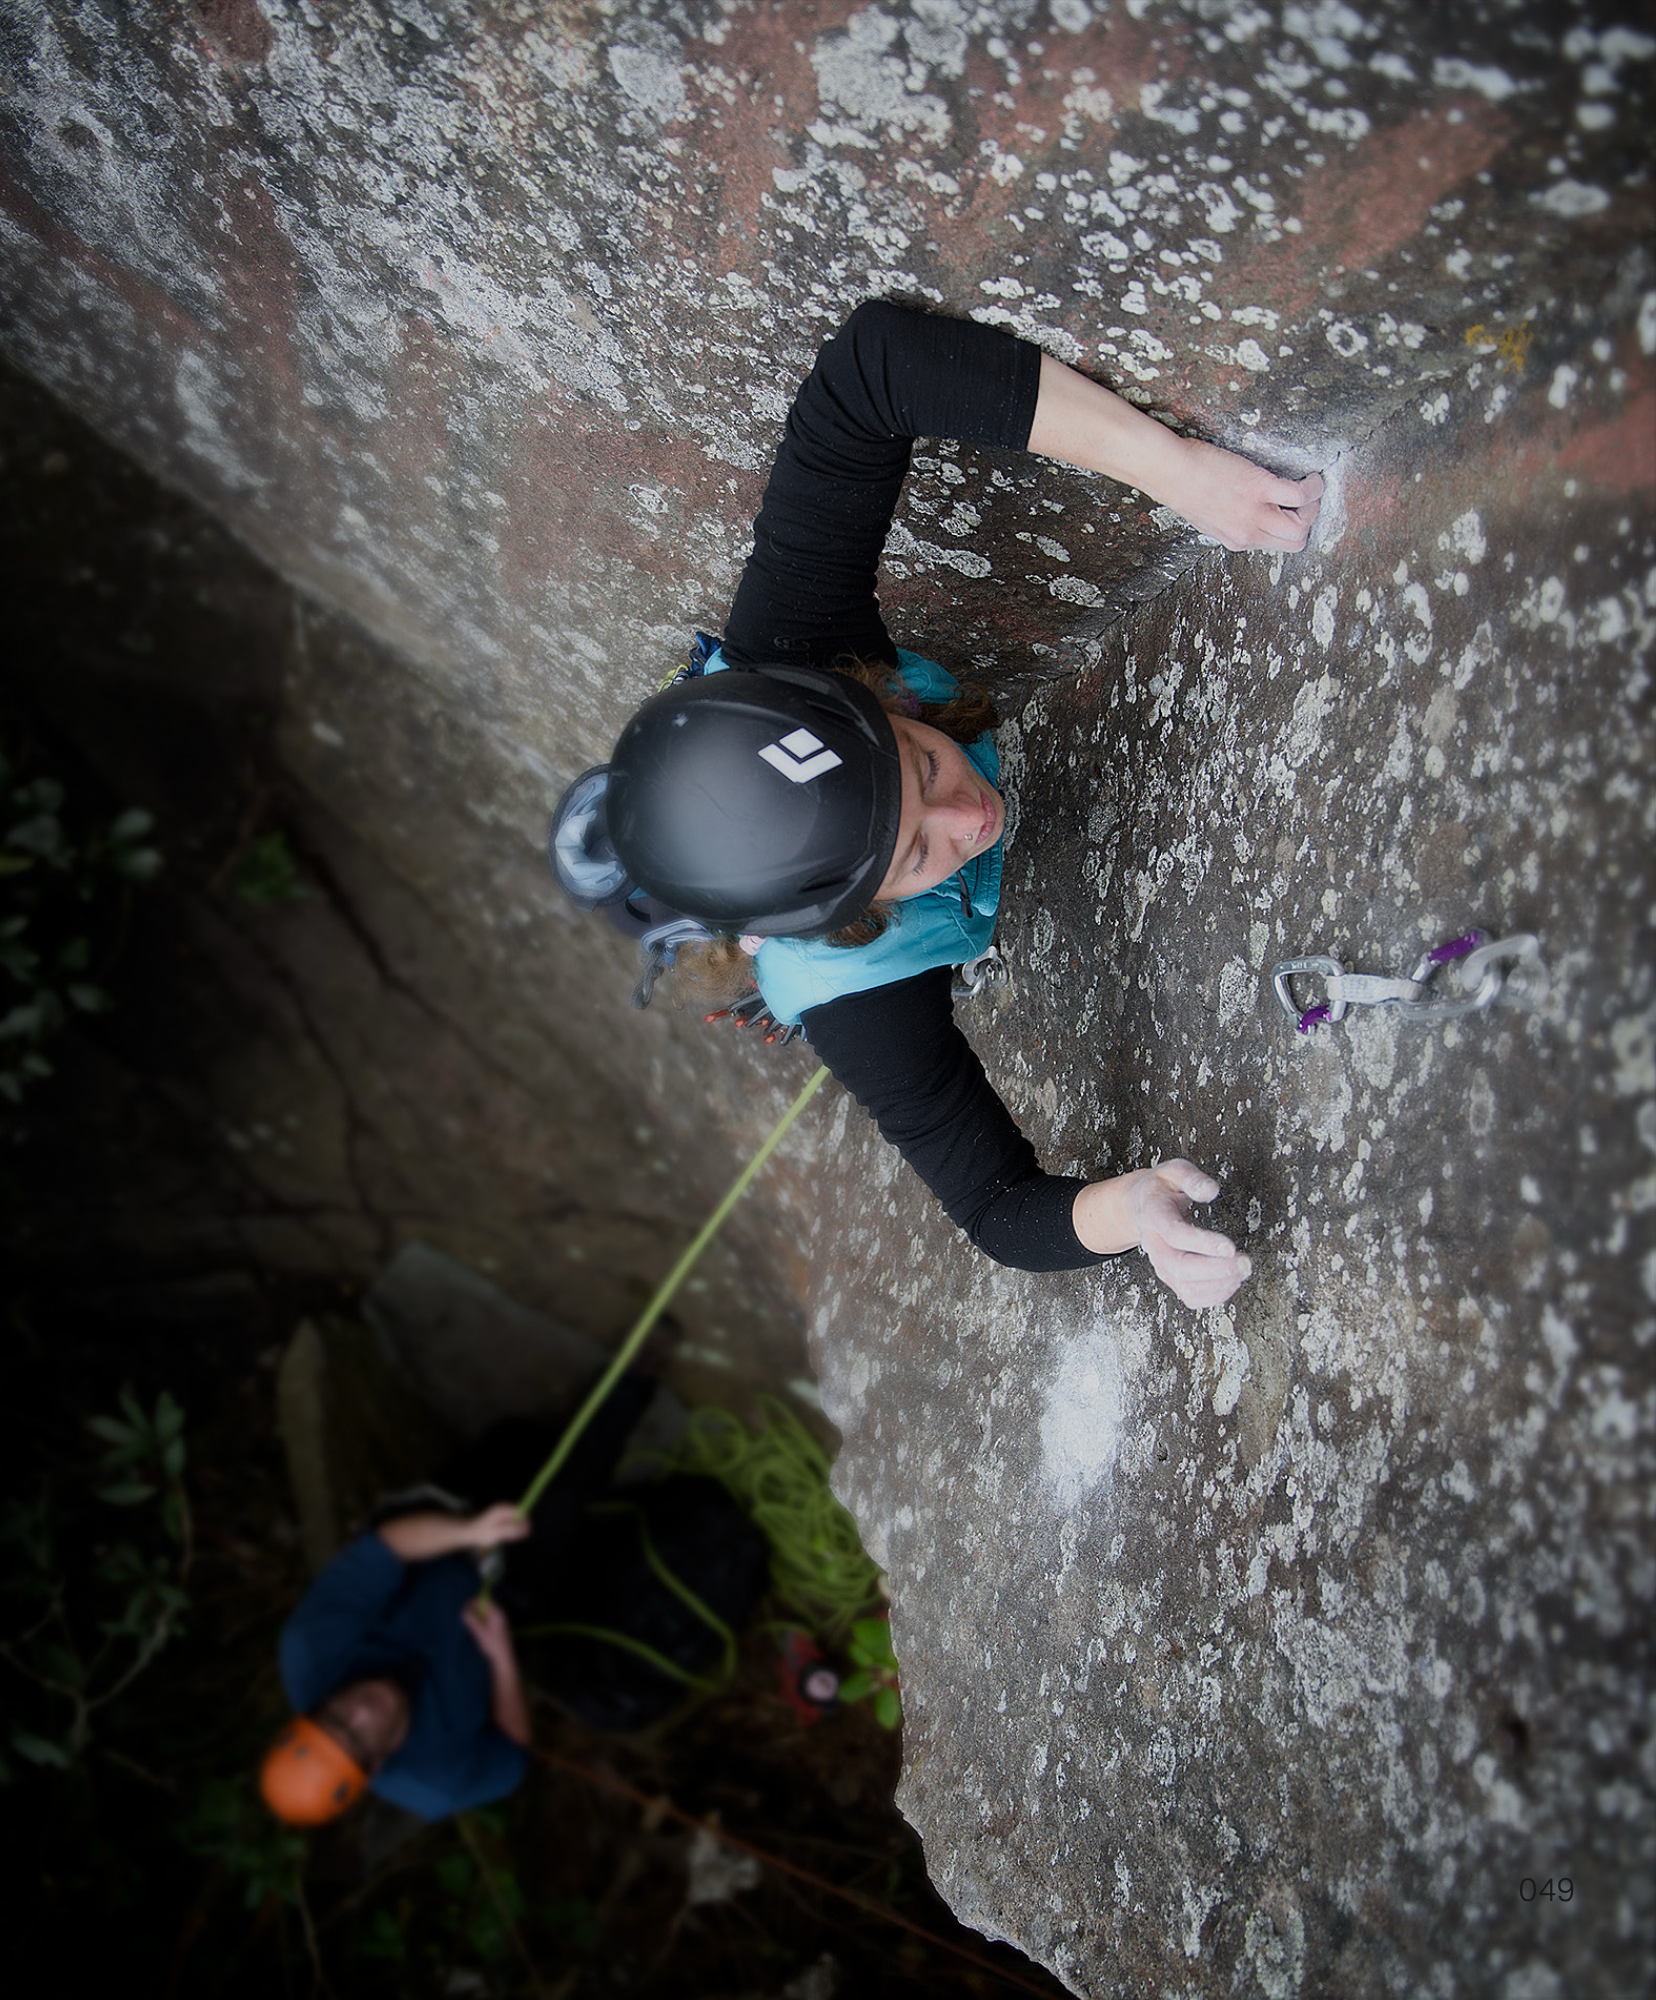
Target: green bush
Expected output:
[50,882]
[87,1637]
[267,874]
[875,1672]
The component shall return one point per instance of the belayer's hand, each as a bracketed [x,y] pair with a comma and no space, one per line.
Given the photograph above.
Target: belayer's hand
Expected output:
[1199,1265]
[500,1523]
[490,1627]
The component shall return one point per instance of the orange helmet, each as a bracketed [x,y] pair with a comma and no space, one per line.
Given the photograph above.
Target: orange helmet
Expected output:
[307,1778]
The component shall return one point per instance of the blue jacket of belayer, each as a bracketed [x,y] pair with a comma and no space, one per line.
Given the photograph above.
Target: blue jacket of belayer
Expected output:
[369,1614]
[932,929]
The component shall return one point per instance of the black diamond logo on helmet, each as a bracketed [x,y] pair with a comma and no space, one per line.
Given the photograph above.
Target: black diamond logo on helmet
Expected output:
[800,756]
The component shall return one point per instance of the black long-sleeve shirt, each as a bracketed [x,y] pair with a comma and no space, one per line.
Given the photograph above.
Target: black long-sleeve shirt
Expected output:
[809,593]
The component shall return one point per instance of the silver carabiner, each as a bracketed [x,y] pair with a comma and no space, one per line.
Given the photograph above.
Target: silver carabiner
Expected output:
[987,969]
[1483,979]
[1330,968]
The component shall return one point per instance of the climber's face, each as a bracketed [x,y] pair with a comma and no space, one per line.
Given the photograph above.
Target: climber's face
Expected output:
[950,814]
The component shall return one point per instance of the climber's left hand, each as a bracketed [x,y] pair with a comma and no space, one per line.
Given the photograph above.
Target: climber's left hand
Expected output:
[1150,1210]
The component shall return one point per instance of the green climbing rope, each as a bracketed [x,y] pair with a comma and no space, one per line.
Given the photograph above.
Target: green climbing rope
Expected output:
[627,1642]
[664,1291]
[606,1635]
[647,1319]
[777,1473]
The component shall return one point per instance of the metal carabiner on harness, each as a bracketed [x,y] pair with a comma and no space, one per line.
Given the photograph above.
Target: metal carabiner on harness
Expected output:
[1481,975]
[987,969]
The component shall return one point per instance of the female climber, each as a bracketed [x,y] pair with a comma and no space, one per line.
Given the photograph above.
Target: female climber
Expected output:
[830,799]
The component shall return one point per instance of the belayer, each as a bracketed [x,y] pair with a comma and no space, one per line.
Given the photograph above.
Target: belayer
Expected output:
[824,801]
[405,1682]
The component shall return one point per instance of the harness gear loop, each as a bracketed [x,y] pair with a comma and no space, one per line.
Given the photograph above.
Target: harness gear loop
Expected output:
[1481,978]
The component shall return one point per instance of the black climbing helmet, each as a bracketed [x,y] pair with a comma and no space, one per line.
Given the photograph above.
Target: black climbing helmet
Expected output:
[761,800]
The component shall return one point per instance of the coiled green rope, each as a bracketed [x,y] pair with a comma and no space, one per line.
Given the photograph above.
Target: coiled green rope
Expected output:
[777,1473]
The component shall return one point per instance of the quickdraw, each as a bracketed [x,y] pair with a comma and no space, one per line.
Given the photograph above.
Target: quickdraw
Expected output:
[1486,970]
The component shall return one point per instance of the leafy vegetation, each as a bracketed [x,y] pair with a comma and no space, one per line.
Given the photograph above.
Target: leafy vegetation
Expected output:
[227,1825]
[52,884]
[476,1916]
[86,1642]
[874,1672]
[267,874]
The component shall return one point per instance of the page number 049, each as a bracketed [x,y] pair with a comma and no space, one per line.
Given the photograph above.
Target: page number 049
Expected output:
[1561,1888]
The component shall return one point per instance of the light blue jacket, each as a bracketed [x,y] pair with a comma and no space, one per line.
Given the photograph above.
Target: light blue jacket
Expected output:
[926,931]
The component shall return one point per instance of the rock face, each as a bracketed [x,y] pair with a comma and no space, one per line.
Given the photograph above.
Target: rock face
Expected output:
[1274,1648]
[1277,1650]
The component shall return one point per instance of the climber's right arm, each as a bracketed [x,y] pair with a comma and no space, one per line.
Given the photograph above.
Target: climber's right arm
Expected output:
[887,377]
[1230,498]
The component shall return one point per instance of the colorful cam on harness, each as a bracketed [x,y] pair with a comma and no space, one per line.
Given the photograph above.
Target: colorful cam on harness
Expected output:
[307,1778]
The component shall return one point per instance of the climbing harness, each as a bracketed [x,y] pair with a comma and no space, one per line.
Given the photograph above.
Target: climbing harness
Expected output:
[751,1011]
[1486,970]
